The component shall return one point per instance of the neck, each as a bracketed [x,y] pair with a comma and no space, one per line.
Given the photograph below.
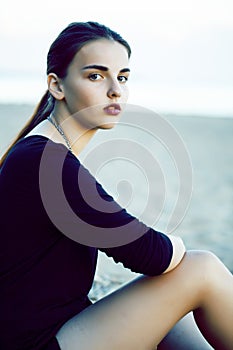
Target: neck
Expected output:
[77,134]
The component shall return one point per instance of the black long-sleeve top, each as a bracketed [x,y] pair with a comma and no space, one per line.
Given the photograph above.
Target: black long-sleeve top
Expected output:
[46,270]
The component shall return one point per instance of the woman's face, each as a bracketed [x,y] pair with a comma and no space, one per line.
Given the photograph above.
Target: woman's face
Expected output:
[95,87]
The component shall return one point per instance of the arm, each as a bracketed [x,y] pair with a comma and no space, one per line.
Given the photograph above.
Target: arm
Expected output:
[149,252]
[178,252]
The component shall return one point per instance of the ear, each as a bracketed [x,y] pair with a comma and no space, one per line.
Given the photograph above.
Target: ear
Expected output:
[55,86]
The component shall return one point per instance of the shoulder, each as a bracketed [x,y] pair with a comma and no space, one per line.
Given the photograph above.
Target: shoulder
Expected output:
[28,152]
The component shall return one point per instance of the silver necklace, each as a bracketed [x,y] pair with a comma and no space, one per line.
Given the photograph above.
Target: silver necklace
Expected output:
[60,130]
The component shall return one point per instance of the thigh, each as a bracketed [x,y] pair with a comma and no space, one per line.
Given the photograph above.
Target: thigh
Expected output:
[137,316]
[185,335]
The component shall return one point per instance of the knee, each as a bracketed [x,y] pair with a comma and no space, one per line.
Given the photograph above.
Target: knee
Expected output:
[204,257]
[207,266]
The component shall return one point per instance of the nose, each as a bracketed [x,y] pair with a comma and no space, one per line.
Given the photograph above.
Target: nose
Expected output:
[114,90]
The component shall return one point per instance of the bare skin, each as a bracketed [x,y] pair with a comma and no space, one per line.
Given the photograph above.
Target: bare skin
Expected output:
[185,335]
[139,315]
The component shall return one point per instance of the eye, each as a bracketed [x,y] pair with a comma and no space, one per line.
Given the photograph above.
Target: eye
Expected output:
[94,76]
[122,78]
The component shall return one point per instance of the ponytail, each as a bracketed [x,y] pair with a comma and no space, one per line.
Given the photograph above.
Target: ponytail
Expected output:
[42,111]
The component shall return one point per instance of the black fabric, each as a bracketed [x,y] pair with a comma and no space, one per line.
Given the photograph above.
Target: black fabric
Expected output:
[52,345]
[45,276]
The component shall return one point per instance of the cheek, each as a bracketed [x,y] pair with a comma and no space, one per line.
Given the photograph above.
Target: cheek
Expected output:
[89,95]
[81,98]
[84,97]
[94,96]
[125,93]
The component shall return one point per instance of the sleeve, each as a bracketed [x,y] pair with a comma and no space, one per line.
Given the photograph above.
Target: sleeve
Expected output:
[104,224]
[150,255]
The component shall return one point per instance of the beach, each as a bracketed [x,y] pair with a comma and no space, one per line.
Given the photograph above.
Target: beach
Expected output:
[208,222]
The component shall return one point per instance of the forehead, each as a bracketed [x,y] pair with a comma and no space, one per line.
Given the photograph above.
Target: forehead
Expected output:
[103,52]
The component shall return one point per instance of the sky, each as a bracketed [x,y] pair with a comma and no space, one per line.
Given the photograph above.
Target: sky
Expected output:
[182,49]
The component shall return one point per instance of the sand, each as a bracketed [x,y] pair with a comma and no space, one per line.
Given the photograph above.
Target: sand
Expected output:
[208,223]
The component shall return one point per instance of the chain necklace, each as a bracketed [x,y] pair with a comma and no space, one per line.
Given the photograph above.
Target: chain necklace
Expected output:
[60,130]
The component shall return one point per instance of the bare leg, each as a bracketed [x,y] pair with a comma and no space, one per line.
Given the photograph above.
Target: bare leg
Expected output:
[139,315]
[185,335]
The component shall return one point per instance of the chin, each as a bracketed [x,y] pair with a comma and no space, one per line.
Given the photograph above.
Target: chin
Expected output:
[107,126]
[108,123]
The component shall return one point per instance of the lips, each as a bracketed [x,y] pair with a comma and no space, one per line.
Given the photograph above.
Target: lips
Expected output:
[113,109]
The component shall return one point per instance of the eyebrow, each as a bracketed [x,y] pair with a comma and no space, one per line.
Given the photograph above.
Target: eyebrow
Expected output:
[103,68]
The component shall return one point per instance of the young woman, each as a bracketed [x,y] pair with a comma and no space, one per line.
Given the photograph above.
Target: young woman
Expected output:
[47,270]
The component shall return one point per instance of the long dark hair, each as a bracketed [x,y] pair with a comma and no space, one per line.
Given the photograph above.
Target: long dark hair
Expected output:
[60,55]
